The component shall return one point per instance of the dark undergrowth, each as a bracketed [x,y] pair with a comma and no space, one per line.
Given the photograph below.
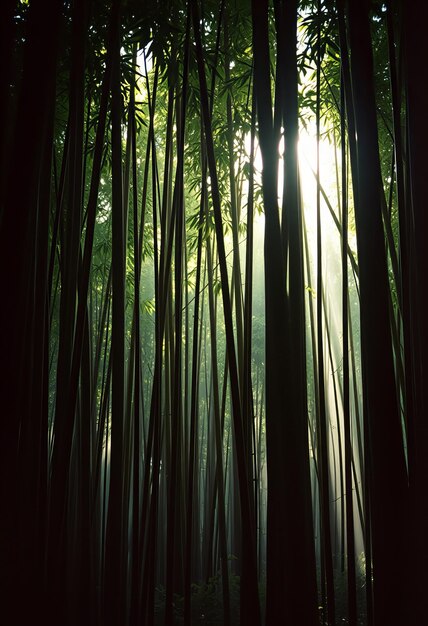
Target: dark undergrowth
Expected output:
[207,602]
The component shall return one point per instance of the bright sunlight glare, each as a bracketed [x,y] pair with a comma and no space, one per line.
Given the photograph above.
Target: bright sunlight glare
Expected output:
[307,151]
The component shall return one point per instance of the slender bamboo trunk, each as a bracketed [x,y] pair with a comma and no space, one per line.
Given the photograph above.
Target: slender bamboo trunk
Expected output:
[289,515]
[388,475]
[114,566]
[251,602]
[177,416]
[350,542]
[324,452]
[413,214]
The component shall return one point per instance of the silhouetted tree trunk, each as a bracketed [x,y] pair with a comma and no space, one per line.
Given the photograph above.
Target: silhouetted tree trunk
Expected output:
[177,409]
[388,476]
[350,540]
[250,605]
[26,141]
[115,571]
[323,420]
[415,17]
[291,578]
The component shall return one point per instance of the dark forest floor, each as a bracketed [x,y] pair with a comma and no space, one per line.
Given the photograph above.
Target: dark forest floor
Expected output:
[207,602]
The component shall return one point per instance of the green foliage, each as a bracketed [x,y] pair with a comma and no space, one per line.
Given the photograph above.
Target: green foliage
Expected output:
[207,603]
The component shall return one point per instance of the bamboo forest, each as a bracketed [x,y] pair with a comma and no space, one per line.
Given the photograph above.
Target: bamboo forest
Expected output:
[214,360]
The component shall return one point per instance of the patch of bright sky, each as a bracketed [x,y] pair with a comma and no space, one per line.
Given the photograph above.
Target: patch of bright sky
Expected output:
[144,61]
[307,152]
